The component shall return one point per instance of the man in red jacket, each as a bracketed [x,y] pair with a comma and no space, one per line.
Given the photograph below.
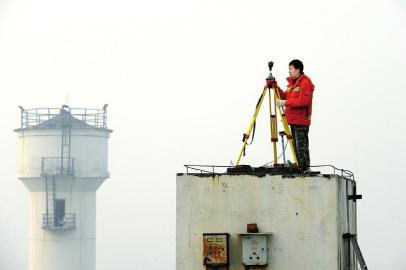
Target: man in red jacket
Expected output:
[297,100]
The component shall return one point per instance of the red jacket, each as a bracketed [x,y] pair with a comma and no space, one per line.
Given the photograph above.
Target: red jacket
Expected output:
[298,98]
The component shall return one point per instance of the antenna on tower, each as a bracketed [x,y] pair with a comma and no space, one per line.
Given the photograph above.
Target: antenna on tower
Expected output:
[67,99]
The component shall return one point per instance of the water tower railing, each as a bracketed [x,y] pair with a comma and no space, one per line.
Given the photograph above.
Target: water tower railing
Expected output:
[52,222]
[58,166]
[31,118]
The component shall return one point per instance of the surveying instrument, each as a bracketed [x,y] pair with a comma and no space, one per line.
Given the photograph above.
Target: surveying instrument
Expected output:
[274,95]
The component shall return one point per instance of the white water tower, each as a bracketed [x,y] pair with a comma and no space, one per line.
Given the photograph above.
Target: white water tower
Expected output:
[63,161]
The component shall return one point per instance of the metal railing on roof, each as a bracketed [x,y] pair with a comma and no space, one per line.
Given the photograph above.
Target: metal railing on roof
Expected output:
[221,169]
[47,117]
[342,172]
[212,169]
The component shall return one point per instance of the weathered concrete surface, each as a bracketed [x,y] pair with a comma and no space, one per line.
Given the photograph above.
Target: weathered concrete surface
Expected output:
[306,216]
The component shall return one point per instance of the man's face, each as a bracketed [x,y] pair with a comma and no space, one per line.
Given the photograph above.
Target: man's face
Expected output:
[293,72]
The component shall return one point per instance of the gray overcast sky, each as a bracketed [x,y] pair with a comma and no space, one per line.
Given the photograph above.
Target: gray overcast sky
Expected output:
[182,79]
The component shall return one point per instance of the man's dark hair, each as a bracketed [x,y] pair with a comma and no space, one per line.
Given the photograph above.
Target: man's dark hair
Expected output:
[297,64]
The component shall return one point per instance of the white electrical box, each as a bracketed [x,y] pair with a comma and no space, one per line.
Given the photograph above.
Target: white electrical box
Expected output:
[255,248]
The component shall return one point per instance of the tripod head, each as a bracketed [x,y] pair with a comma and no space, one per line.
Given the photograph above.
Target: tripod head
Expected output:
[270,65]
[270,76]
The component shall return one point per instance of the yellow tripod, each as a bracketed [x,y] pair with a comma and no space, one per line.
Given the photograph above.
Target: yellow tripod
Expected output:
[273,123]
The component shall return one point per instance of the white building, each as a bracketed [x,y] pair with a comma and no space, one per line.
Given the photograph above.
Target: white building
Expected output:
[63,161]
[307,222]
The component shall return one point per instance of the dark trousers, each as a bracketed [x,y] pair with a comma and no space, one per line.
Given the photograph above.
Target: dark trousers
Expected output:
[300,138]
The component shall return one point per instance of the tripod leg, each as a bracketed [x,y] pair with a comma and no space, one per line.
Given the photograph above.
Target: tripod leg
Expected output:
[274,126]
[253,119]
[286,127]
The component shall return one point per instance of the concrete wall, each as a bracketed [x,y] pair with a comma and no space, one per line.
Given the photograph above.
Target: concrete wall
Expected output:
[306,216]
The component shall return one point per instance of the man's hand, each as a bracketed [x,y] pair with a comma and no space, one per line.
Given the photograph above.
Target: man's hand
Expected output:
[271,84]
[280,102]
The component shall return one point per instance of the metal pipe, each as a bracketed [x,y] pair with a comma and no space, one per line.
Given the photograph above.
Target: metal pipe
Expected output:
[283,146]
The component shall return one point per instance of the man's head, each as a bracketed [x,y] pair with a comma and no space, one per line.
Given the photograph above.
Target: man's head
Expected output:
[295,68]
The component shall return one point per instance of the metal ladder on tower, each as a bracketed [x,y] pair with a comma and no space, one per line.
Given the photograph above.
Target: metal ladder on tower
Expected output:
[66,141]
[50,200]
